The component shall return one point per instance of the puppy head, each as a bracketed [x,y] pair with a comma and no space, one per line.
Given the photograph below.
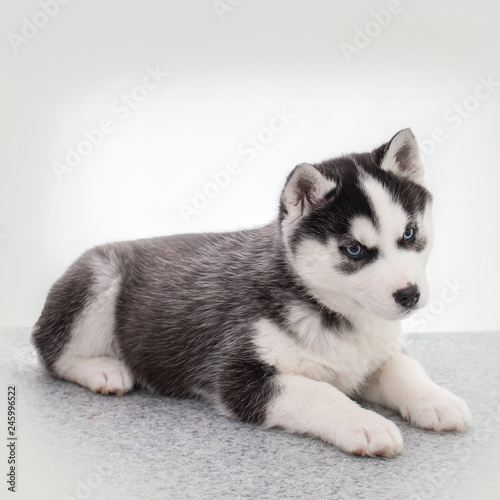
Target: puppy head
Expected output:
[358,229]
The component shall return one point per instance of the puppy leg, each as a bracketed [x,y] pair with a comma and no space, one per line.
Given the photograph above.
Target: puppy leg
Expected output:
[305,406]
[402,385]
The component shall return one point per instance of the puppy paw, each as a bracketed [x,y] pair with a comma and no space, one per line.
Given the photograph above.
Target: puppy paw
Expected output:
[437,409]
[104,375]
[369,434]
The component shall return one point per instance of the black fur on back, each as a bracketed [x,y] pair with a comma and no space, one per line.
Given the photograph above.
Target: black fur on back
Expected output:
[216,287]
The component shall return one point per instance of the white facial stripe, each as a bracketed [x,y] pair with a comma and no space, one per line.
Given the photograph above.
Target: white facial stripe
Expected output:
[392,219]
[363,230]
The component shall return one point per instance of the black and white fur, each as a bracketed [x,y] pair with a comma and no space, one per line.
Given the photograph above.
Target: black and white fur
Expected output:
[285,325]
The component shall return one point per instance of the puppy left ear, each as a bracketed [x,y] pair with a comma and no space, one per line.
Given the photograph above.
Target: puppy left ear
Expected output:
[401,156]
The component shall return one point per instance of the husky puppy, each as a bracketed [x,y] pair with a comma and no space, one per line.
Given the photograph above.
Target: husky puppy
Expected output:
[286,325]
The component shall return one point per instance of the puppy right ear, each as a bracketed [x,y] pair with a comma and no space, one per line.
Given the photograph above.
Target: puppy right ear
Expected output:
[401,156]
[304,190]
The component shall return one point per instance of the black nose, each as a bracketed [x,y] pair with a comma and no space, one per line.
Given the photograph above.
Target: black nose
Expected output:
[407,297]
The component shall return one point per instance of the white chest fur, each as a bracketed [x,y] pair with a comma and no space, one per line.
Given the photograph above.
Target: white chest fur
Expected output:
[342,358]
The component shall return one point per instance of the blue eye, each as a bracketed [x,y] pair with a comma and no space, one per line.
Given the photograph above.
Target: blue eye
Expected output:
[408,234]
[354,250]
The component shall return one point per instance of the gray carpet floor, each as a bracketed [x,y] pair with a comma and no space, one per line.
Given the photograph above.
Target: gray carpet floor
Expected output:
[73,444]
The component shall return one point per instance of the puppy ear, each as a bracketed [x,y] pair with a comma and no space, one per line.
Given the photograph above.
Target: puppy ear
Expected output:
[401,156]
[305,189]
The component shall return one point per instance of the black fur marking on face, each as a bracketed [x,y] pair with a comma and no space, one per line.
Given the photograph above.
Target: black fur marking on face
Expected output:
[345,203]
[352,265]
[417,243]
[411,196]
[349,201]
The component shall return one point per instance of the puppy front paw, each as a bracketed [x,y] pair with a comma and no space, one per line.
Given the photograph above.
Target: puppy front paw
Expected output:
[437,409]
[370,434]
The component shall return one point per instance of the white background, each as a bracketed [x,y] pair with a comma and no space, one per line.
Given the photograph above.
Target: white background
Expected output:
[225,78]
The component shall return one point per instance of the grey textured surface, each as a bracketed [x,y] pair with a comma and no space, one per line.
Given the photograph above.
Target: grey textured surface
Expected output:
[74,444]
